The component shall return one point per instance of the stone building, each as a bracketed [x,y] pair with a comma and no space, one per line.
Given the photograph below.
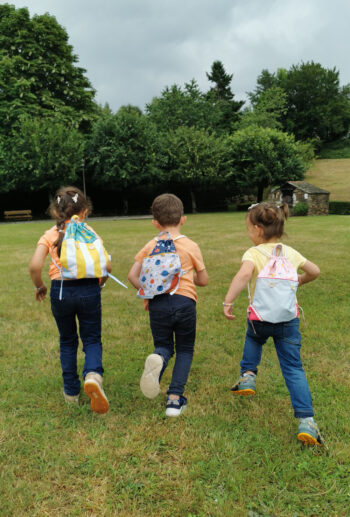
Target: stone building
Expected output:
[293,192]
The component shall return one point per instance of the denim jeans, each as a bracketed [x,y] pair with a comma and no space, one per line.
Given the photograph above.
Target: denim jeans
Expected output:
[287,340]
[174,316]
[81,299]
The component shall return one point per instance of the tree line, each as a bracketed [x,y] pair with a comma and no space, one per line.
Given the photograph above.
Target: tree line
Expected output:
[52,131]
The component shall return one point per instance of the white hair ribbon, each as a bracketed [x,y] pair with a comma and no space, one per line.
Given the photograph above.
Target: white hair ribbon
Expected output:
[75,197]
[253,206]
[58,199]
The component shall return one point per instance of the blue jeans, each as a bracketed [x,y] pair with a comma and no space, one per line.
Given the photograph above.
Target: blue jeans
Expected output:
[174,316]
[287,339]
[82,300]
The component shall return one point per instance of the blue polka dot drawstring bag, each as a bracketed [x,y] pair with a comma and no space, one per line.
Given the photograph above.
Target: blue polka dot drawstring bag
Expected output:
[161,269]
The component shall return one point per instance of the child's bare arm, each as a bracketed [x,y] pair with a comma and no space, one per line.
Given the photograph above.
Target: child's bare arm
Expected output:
[311,272]
[201,278]
[134,274]
[35,269]
[240,280]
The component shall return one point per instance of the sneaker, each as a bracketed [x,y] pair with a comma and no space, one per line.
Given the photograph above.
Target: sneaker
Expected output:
[93,388]
[245,385]
[149,382]
[71,399]
[175,407]
[308,432]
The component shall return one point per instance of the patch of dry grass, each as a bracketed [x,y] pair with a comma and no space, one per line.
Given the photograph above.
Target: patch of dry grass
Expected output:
[331,175]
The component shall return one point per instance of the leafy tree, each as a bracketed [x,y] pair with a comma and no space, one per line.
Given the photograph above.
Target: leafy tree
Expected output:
[41,154]
[265,81]
[216,110]
[268,110]
[263,157]
[38,72]
[195,158]
[121,151]
[178,107]
[317,106]
[221,96]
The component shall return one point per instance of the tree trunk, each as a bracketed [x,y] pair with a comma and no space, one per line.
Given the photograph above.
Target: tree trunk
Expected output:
[260,192]
[125,206]
[193,201]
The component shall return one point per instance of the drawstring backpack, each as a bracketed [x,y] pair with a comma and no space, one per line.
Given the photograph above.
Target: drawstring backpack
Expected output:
[274,297]
[161,269]
[82,254]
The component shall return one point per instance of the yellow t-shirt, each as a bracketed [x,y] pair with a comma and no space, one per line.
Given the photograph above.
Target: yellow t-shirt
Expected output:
[260,259]
[191,259]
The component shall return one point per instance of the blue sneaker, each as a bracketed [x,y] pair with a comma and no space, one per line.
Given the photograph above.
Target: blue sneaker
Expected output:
[246,385]
[175,407]
[308,432]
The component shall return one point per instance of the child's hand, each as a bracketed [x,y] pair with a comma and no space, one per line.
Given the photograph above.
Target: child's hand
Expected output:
[102,281]
[228,309]
[40,294]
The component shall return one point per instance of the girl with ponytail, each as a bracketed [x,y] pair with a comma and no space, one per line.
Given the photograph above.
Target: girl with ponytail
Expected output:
[265,225]
[81,302]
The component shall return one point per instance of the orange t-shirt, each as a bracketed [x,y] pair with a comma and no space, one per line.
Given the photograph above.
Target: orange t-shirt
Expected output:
[191,259]
[48,239]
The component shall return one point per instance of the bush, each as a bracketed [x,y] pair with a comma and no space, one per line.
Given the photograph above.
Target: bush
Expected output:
[339,207]
[300,209]
[338,149]
[243,207]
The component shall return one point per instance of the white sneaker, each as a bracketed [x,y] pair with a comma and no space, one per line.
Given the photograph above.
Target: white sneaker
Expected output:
[93,388]
[71,399]
[149,382]
[174,407]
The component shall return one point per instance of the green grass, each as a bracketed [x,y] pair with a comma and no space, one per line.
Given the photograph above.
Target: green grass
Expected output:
[226,456]
[331,175]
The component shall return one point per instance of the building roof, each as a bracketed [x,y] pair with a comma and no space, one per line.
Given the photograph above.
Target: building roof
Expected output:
[306,187]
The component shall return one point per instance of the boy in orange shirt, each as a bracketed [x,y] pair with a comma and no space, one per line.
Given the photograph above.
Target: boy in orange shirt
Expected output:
[171,315]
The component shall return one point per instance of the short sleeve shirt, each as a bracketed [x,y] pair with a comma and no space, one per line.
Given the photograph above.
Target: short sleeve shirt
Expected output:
[191,260]
[260,259]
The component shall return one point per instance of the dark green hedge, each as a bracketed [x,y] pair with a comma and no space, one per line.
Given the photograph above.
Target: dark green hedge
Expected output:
[339,207]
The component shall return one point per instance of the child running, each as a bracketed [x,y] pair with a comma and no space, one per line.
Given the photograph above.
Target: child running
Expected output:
[171,315]
[265,223]
[79,299]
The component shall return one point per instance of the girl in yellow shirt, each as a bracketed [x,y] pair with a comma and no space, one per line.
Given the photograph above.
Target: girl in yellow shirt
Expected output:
[265,224]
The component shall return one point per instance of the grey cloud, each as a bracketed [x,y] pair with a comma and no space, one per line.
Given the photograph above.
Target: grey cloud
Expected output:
[132,49]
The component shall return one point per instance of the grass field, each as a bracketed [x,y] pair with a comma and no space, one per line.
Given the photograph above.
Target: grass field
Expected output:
[225,456]
[331,175]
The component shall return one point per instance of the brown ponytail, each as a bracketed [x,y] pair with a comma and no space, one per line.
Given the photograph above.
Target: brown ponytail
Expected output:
[68,201]
[270,218]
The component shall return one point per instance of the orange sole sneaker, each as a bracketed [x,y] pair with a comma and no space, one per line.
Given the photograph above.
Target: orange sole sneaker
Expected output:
[99,402]
[244,393]
[307,439]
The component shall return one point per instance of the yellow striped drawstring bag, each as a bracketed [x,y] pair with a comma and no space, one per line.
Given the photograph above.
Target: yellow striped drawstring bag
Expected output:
[82,253]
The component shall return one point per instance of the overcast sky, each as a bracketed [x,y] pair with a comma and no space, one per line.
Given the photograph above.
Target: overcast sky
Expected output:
[132,49]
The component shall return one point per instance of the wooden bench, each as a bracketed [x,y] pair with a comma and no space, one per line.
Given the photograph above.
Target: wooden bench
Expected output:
[17,214]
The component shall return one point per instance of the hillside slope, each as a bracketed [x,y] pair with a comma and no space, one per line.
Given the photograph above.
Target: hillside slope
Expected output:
[332,175]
